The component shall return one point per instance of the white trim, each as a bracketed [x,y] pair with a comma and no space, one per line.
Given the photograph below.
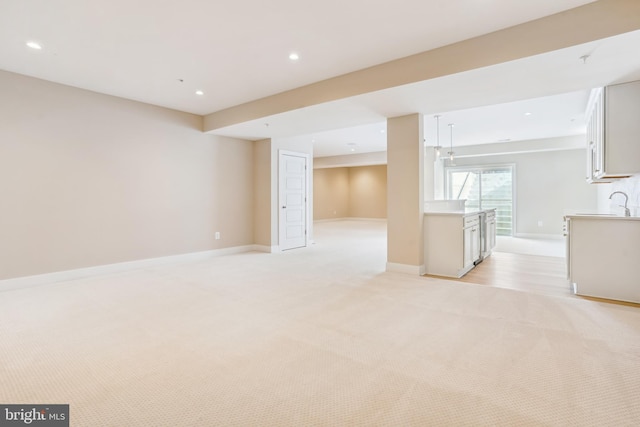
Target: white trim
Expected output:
[307,194]
[62,276]
[350,218]
[315,221]
[481,168]
[537,236]
[375,158]
[415,270]
[510,153]
[265,248]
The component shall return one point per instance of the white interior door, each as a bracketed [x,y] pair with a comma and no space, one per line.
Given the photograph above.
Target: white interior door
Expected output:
[292,183]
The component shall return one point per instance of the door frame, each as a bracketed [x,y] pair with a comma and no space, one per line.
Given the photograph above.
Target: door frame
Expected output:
[307,213]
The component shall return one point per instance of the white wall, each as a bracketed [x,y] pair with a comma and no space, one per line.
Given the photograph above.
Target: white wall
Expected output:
[630,186]
[89,179]
[548,185]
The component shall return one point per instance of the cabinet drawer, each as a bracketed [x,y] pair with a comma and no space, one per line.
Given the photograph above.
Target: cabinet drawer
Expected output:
[471,221]
[491,215]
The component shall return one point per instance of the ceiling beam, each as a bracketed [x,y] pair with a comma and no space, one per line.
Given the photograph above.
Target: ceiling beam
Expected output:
[584,24]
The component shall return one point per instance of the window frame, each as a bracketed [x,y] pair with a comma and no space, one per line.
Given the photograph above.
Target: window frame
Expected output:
[480,168]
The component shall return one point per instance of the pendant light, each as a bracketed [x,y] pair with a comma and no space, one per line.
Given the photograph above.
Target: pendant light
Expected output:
[437,147]
[451,143]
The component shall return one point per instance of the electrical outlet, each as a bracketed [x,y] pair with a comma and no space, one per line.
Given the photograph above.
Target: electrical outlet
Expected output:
[217,235]
[539,223]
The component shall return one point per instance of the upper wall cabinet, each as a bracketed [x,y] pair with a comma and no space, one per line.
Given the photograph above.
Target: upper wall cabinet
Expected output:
[613,132]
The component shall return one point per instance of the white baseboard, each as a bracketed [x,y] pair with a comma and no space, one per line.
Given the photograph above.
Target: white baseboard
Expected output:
[350,218]
[267,249]
[415,270]
[60,276]
[538,236]
[317,221]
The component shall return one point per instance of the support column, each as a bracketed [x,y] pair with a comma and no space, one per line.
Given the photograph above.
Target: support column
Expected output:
[405,194]
[263,196]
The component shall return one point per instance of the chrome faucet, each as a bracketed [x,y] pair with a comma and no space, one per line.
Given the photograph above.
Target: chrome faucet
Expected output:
[627,212]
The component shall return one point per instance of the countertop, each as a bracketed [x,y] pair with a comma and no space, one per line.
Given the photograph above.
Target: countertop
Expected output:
[602,217]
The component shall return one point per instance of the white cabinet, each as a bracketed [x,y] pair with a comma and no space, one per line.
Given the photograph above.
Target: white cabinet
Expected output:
[490,232]
[595,137]
[467,259]
[471,242]
[613,130]
[452,243]
[603,254]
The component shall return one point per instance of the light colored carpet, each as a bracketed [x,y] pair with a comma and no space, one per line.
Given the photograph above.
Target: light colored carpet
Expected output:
[316,337]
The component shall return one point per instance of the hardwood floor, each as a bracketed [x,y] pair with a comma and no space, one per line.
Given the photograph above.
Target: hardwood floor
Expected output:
[532,273]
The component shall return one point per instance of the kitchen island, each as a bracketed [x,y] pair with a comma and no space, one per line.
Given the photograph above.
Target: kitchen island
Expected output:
[456,241]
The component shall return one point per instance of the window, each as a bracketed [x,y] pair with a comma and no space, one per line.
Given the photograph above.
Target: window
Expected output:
[485,188]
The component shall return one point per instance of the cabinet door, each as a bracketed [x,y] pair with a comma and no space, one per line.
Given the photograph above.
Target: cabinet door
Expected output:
[609,273]
[491,235]
[475,243]
[620,148]
[598,138]
[468,247]
[471,245]
[595,140]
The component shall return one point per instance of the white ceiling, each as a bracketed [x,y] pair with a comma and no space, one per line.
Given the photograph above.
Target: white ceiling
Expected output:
[234,50]
[486,105]
[237,51]
[537,118]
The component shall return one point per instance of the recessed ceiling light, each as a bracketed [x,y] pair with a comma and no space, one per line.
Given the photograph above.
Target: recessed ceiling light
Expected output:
[527,114]
[381,130]
[294,56]
[34,45]
[199,92]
